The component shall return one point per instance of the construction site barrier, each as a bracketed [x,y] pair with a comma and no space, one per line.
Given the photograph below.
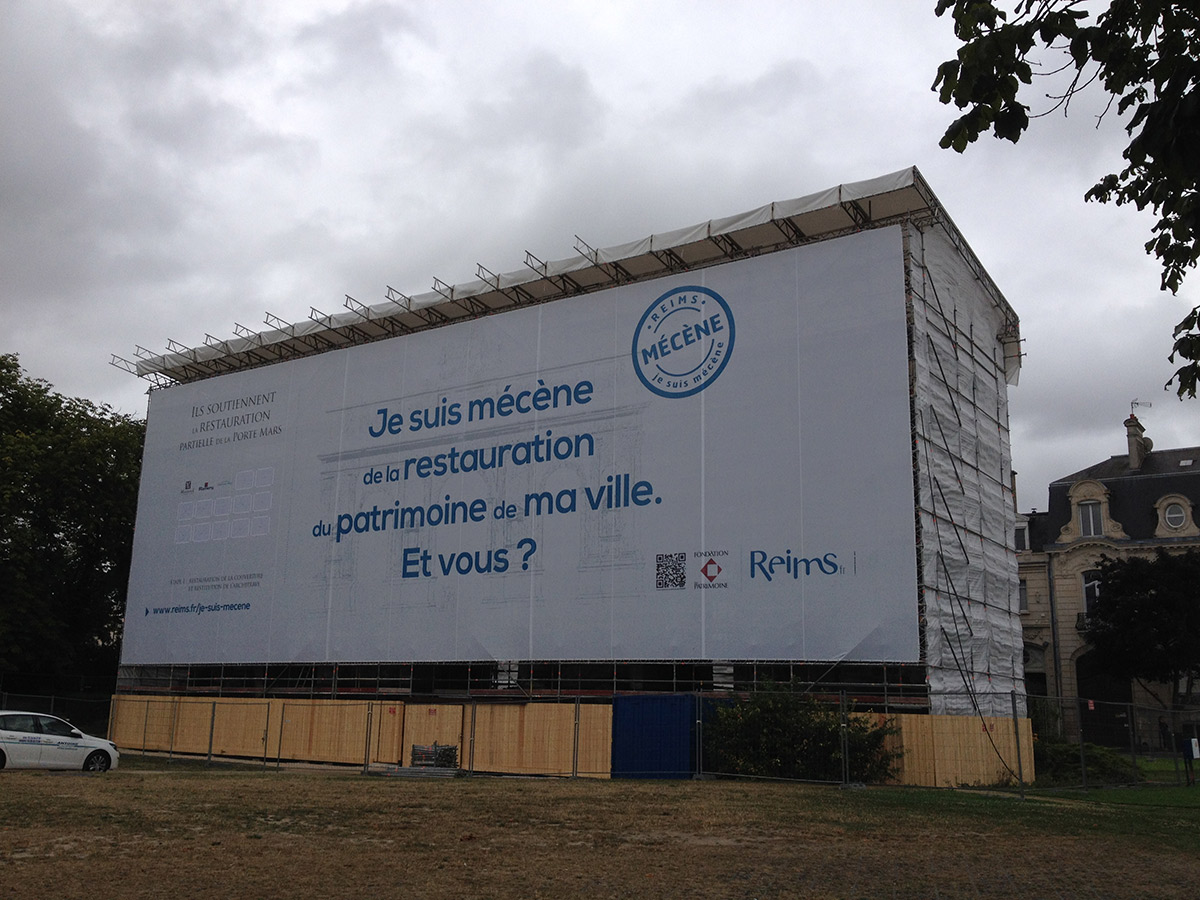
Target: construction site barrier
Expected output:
[570,738]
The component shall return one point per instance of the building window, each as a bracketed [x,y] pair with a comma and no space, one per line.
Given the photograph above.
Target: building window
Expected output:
[1091,590]
[1035,658]
[1091,523]
[1022,537]
[1022,596]
[1175,516]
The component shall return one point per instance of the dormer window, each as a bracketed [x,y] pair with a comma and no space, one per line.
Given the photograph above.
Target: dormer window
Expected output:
[1021,540]
[1175,519]
[1091,519]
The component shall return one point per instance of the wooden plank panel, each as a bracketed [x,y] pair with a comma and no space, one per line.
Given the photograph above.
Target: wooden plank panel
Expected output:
[950,750]
[240,728]
[897,743]
[192,719]
[525,738]
[323,730]
[387,723]
[539,739]
[127,720]
[1028,769]
[919,763]
[968,750]
[160,724]
[595,740]
[429,723]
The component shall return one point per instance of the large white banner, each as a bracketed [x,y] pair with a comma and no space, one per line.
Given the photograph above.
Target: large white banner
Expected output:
[710,466]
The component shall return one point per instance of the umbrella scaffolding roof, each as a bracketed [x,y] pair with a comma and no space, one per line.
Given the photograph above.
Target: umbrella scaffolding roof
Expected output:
[845,209]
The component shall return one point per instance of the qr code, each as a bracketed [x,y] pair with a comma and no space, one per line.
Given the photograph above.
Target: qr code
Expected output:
[670,572]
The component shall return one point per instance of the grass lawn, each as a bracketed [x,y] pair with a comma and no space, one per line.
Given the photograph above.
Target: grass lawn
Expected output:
[185,830]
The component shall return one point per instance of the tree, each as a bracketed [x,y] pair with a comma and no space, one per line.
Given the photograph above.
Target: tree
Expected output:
[1145,624]
[776,733]
[68,495]
[1146,55]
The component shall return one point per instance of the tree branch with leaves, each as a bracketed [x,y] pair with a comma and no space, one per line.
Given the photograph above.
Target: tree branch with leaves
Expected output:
[68,498]
[1146,55]
[1145,624]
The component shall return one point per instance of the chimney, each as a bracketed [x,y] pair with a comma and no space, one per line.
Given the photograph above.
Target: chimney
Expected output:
[1139,445]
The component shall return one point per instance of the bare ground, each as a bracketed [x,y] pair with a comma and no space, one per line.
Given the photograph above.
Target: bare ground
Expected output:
[188,832]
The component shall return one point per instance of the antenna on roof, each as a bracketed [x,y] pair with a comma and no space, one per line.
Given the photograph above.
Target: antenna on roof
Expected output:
[1135,403]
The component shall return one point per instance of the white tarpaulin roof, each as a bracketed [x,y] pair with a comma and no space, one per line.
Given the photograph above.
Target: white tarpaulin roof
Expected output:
[776,226]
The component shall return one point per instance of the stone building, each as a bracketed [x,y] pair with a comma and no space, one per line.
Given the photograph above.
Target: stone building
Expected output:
[1127,505]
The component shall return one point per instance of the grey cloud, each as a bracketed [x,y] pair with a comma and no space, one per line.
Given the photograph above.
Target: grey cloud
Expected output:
[202,131]
[548,104]
[358,41]
[775,91]
[79,194]
[153,45]
[542,104]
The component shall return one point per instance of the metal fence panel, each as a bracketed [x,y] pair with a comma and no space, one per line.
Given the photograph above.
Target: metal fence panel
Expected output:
[653,736]
[1092,743]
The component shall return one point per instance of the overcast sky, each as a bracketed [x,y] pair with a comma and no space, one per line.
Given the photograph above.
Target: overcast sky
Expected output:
[169,169]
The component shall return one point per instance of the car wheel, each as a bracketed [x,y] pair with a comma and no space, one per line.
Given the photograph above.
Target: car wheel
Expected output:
[97,761]
[2,759]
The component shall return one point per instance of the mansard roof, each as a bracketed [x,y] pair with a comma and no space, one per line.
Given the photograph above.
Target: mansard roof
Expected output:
[1157,462]
[1132,493]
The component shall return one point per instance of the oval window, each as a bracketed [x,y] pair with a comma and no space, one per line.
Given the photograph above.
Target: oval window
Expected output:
[1174,516]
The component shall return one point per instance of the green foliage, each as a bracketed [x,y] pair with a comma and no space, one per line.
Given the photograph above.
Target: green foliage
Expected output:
[1146,55]
[1045,716]
[774,733]
[1146,621]
[1057,764]
[68,495]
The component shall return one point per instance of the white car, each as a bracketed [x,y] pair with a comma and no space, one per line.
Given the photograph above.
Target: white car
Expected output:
[30,740]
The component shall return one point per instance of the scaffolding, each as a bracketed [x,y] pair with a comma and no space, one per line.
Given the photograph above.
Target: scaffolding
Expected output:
[886,687]
[849,208]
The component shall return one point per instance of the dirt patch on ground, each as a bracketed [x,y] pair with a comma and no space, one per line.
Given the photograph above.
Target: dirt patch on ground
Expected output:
[196,833]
